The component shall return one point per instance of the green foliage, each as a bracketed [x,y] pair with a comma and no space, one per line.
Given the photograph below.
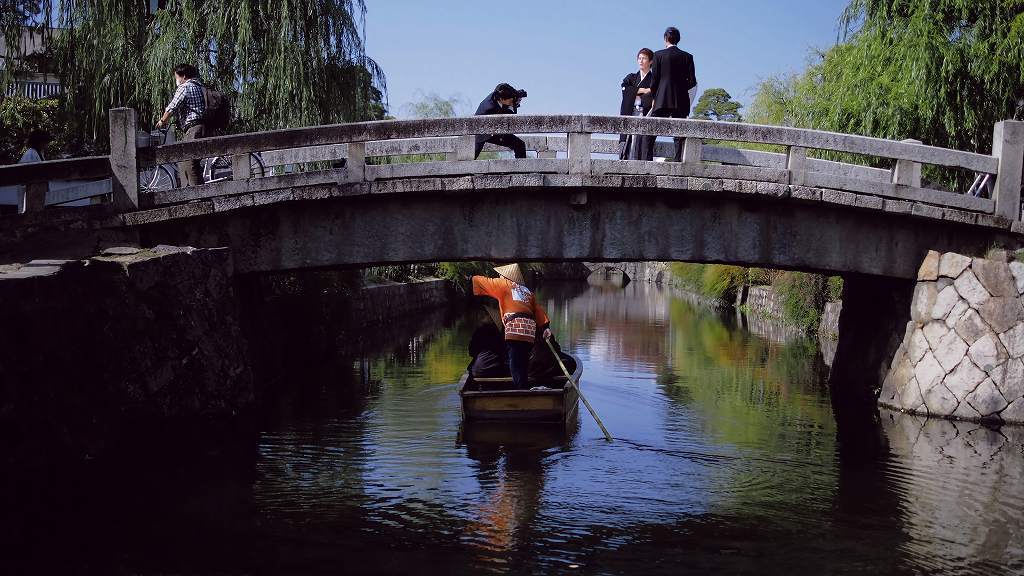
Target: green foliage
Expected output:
[286,64]
[762,276]
[803,298]
[835,288]
[713,280]
[19,116]
[459,272]
[717,104]
[400,273]
[943,72]
[433,105]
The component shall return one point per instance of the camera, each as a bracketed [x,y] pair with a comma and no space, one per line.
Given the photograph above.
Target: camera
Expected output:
[520,94]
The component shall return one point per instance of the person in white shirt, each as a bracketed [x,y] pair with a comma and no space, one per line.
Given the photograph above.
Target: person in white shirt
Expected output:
[35,145]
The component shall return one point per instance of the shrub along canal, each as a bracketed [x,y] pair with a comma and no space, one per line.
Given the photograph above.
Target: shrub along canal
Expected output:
[726,460]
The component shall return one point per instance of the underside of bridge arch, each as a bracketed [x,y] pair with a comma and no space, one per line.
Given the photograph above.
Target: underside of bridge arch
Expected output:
[552,225]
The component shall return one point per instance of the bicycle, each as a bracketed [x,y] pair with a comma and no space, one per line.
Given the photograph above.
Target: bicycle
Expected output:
[162,176]
[983,183]
[216,169]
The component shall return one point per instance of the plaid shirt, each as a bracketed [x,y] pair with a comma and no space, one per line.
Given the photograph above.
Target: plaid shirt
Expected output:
[188,104]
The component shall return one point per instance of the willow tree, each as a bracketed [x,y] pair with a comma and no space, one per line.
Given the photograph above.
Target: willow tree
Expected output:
[286,63]
[941,71]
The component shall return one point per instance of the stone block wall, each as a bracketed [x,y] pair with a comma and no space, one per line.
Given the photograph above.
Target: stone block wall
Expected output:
[376,305]
[961,355]
[93,350]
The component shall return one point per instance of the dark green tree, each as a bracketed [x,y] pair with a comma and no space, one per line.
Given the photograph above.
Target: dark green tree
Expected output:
[717,104]
[292,63]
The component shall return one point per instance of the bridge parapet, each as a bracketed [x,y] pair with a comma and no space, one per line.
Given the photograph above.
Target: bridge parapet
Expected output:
[563,144]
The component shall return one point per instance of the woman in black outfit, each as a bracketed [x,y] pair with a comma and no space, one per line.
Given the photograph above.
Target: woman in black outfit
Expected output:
[637,101]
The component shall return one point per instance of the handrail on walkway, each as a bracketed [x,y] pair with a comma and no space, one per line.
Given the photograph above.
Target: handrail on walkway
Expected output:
[568,134]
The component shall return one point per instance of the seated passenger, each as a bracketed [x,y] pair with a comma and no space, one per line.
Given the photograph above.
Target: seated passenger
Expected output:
[544,366]
[487,347]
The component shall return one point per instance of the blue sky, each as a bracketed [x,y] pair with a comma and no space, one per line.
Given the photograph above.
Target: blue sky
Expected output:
[571,55]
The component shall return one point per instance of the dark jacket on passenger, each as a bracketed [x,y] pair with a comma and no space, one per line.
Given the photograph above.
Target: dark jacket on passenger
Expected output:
[487,347]
[673,77]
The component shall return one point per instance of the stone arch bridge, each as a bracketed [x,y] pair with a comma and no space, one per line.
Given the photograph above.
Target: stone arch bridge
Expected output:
[571,200]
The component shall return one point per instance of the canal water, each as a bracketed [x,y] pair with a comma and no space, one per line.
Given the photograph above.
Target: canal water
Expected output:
[726,459]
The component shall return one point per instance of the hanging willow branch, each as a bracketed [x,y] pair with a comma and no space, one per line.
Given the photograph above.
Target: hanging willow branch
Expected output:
[286,62]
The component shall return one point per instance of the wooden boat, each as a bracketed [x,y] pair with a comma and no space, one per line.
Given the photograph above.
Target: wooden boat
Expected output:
[489,399]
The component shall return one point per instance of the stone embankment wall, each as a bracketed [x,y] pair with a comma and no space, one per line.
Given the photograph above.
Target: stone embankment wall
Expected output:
[140,336]
[961,355]
[375,305]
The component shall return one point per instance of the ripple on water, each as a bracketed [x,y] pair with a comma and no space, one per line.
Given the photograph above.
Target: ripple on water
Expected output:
[725,458]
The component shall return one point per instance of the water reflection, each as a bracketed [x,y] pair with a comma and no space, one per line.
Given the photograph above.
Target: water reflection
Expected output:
[726,460]
[960,486]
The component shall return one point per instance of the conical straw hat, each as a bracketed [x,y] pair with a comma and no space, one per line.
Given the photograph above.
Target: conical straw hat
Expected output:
[512,272]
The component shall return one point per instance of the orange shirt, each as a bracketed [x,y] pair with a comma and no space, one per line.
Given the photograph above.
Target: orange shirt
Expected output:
[513,299]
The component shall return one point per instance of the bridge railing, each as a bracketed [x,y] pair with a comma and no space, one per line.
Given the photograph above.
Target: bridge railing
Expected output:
[563,144]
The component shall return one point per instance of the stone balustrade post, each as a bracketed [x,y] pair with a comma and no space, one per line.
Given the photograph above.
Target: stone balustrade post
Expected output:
[579,153]
[124,167]
[465,148]
[241,168]
[34,199]
[907,172]
[355,162]
[1008,146]
[547,152]
[796,163]
[692,150]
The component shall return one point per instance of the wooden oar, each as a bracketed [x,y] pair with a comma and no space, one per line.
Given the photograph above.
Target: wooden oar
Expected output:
[571,382]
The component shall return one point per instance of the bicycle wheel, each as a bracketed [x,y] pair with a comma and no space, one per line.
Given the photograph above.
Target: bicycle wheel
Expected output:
[256,166]
[156,178]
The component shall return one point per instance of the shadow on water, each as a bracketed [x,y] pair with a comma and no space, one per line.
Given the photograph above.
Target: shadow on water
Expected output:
[727,459]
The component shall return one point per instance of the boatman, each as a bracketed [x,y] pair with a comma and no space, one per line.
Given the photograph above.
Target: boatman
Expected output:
[521,315]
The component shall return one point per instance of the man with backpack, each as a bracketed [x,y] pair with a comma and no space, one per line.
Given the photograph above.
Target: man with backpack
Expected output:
[200,112]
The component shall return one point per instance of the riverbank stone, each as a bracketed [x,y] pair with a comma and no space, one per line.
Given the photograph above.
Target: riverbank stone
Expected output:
[987,353]
[962,354]
[918,346]
[971,327]
[1002,313]
[1013,340]
[964,379]
[929,269]
[995,277]
[925,296]
[945,302]
[957,313]
[987,399]
[952,265]
[971,289]
[950,350]
[1017,269]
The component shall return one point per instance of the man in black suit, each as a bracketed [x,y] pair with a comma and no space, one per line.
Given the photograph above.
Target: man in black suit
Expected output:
[673,83]
[504,100]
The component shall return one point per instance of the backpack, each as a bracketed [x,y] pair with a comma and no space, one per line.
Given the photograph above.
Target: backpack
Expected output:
[217,115]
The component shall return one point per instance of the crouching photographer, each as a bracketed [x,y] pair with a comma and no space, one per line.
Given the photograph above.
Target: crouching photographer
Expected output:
[504,100]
